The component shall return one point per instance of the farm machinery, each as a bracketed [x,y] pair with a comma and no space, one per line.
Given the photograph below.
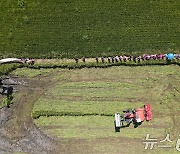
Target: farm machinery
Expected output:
[135,116]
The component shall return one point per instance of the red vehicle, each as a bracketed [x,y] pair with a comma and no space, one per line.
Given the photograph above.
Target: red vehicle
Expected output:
[137,116]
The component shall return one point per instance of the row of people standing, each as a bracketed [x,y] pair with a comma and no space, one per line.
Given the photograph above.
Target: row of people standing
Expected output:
[144,57]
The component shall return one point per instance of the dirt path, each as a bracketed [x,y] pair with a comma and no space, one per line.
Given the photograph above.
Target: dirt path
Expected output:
[17,130]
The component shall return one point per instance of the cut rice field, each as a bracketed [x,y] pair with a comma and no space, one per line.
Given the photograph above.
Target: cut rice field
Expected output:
[80,107]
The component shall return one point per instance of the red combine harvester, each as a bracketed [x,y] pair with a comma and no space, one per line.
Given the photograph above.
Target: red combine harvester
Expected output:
[135,116]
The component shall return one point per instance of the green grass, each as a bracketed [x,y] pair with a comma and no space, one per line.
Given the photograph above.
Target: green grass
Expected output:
[92,127]
[30,72]
[5,69]
[97,94]
[80,107]
[92,28]
[2,102]
[96,129]
[90,63]
[102,91]
[58,108]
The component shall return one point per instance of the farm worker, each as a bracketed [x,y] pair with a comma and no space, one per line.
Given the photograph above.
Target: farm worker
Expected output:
[125,58]
[134,59]
[148,57]
[139,59]
[164,56]
[153,57]
[170,56]
[109,59]
[116,59]
[160,56]
[120,58]
[112,59]
[76,60]
[102,58]
[97,61]
[84,59]
[176,56]
[130,58]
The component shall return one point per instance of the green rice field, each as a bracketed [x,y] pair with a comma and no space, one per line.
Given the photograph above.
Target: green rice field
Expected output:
[76,28]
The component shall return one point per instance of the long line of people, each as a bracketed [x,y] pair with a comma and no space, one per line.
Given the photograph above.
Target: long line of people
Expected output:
[136,59]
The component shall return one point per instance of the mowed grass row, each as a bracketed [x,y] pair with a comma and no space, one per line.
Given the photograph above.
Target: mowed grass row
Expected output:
[88,28]
[99,134]
[84,98]
[93,127]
